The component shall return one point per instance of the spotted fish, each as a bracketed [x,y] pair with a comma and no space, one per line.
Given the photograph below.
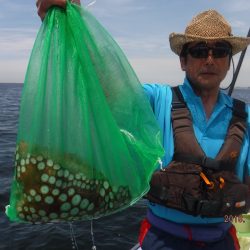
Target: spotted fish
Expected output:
[50,192]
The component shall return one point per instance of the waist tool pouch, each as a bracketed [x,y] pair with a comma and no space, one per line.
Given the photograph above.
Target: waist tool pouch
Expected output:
[187,188]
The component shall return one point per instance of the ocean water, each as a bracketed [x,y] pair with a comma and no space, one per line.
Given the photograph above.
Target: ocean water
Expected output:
[118,232]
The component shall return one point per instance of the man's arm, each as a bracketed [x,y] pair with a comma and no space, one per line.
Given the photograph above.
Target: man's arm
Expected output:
[44,5]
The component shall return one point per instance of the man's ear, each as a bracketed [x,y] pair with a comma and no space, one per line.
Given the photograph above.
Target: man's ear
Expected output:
[183,63]
[229,61]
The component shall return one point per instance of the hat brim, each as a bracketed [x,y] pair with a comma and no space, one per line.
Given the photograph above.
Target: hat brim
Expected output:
[178,40]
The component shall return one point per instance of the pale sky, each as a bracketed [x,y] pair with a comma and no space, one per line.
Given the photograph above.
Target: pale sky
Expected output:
[140,27]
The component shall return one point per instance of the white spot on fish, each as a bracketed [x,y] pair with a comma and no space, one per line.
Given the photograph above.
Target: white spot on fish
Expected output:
[71,177]
[21,215]
[44,189]
[60,173]
[32,192]
[56,167]
[33,160]
[65,206]
[84,203]
[19,209]
[59,183]
[53,216]
[111,205]
[76,200]
[91,206]
[106,199]
[74,211]
[52,179]
[71,191]
[78,176]
[111,195]
[41,212]
[55,191]
[38,198]
[63,197]
[49,199]
[66,173]
[41,165]
[34,216]
[44,177]
[50,163]
[29,198]
[39,158]
[106,184]
[64,215]
[32,210]
[102,192]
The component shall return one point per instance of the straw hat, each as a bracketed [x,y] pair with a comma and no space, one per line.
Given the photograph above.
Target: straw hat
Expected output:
[208,26]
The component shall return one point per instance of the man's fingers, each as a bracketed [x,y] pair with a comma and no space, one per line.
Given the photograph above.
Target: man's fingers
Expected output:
[60,3]
[76,2]
[44,5]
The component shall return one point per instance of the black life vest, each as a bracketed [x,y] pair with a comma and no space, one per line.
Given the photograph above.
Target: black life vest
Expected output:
[195,183]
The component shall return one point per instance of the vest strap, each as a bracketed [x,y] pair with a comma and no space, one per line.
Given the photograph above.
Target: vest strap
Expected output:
[187,148]
[239,109]
[205,162]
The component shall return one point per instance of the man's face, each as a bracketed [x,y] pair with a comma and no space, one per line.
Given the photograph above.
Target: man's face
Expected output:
[206,64]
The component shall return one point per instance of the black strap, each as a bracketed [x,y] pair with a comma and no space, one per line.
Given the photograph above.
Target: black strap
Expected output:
[177,99]
[239,109]
[205,162]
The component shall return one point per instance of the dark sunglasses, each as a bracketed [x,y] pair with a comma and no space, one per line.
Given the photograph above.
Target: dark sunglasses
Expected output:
[203,51]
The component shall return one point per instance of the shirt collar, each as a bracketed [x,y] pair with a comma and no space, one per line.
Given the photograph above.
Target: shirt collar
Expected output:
[190,96]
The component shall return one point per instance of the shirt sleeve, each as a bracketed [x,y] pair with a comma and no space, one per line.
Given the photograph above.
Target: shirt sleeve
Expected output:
[150,90]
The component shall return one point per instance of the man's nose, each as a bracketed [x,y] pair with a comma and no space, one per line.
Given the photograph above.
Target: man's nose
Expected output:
[210,57]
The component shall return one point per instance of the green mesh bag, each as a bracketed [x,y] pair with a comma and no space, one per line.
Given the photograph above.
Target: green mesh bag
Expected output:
[87,140]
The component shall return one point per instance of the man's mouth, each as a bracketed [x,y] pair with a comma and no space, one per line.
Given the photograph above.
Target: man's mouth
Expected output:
[208,73]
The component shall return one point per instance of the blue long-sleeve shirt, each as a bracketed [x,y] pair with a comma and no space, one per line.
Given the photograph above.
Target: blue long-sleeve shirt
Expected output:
[210,134]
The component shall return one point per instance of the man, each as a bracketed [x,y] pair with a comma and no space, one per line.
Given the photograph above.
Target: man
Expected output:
[205,52]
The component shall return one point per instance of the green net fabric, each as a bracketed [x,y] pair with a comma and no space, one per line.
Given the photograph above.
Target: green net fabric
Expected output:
[87,140]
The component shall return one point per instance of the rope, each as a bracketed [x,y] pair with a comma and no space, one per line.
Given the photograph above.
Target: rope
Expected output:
[73,238]
[92,235]
[91,3]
